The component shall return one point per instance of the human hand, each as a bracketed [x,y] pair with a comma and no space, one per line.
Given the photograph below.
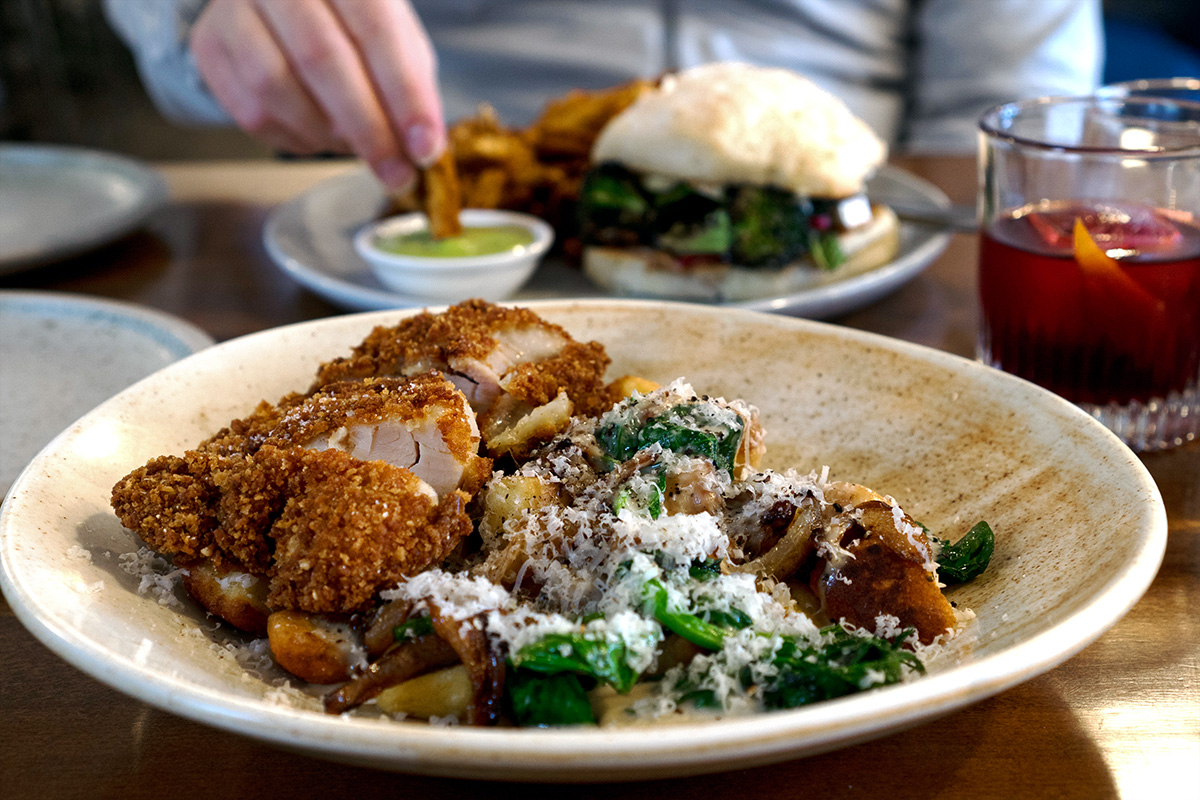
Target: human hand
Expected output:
[310,76]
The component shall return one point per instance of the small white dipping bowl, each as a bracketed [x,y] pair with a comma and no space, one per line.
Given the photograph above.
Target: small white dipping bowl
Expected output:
[491,277]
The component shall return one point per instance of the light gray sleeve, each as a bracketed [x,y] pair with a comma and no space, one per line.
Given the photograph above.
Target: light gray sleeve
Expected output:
[157,32]
[973,54]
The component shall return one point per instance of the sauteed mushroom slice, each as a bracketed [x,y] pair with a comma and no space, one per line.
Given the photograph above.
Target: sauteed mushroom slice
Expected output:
[404,661]
[790,552]
[485,667]
[381,632]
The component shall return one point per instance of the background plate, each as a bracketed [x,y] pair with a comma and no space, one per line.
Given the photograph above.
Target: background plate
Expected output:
[311,239]
[62,354]
[1080,528]
[58,201]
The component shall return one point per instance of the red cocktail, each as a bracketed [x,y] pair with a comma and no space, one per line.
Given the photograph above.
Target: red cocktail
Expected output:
[1125,330]
[1089,262]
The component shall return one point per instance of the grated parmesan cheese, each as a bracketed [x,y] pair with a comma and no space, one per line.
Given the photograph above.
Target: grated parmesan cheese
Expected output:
[157,577]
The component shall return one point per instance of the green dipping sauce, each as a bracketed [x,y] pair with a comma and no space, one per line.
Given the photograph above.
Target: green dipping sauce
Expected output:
[484,240]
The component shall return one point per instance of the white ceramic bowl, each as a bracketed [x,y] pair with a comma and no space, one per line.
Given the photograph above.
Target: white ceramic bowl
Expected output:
[449,279]
[1080,532]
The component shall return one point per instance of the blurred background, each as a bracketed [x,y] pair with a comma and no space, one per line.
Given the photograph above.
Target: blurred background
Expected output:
[66,78]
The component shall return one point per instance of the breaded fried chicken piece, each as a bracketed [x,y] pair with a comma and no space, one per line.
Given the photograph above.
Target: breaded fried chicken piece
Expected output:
[171,502]
[179,506]
[421,423]
[348,528]
[402,448]
[507,361]
[245,435]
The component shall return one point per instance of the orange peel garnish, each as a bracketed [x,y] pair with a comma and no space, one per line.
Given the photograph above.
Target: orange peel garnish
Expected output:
[1098,265]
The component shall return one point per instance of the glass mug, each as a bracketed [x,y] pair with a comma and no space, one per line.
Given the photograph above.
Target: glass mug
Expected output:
[1089,265]
[1187,89]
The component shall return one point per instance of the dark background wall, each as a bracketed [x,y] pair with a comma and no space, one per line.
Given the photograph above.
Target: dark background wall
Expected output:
[66,77]
[1152,39]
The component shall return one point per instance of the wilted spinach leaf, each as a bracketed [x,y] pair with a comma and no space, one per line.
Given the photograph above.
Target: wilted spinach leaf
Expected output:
[845,665]
[574,652]
[538,700]
[968,557]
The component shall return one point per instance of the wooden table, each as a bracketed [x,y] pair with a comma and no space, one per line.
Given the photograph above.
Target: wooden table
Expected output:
[1121,719]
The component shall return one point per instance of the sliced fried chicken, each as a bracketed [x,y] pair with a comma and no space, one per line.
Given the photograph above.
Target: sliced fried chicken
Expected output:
[329,497]
[347,528]
[421,423]
[506,361]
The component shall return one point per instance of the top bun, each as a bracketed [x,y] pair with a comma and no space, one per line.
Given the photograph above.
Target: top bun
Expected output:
[726,122]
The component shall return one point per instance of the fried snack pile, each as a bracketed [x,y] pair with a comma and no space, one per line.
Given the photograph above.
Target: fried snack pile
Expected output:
[537,169]
[461,519]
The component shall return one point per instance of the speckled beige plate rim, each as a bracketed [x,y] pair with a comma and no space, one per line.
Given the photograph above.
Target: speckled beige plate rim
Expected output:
[1081,528]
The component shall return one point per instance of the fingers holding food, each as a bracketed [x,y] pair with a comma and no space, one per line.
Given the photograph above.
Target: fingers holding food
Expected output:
[327,62]
[311,75]
[248,72]
[398,55]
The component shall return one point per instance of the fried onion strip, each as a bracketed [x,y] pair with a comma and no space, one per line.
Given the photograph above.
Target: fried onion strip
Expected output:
[443,197]
[792,550]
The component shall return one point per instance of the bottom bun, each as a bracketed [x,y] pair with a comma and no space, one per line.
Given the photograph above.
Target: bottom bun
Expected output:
[645,272]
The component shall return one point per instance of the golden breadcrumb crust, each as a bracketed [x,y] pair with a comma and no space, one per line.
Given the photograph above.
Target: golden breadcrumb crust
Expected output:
[171,502]
[461,331]
[245,435]
[467,331]
[578,370]
[351,528]
[233,502]
[328,530]
[374,400]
